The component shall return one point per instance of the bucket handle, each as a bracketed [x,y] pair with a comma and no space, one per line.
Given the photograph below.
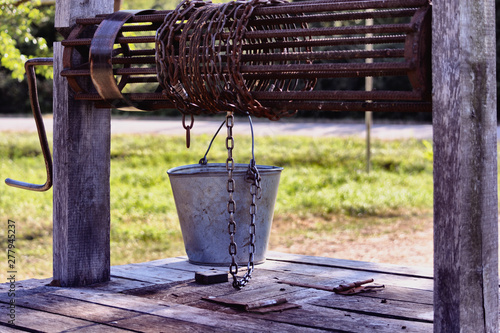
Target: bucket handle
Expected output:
[204,160]
[252,164]
[42,136]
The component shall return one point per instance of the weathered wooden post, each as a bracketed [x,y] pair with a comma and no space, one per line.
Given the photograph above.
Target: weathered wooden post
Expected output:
[465,167]
[81,170]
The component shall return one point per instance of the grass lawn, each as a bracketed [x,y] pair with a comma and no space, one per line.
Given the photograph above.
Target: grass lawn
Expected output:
[324,195]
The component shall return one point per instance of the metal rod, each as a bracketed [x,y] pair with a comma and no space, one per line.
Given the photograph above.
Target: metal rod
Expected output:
[350,106]
[320,6]
[326,42]
[324,55]
[118,71]
[133,60]
[322,74]
[330,17]
[42,135]
[337,95]
[385,67]
[368,114]
[119,40]
[331,31]
[158,16]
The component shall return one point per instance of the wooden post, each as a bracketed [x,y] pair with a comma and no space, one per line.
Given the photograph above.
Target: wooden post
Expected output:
[465,167]
[81,170]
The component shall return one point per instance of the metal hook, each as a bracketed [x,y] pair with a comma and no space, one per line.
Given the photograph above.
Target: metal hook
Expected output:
[188,129]
[29,66]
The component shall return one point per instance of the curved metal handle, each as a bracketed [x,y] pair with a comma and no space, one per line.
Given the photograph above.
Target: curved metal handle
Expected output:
[29,66]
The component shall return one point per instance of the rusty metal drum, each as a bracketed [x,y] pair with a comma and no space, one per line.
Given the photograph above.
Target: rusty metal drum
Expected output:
[201,197]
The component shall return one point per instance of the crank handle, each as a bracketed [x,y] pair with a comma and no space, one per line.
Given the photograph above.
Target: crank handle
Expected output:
[29,66]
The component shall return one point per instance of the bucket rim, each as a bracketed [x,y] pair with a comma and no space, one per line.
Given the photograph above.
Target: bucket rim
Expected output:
[199,169]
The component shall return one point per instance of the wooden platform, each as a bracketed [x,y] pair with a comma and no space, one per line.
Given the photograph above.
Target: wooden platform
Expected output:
[162,296]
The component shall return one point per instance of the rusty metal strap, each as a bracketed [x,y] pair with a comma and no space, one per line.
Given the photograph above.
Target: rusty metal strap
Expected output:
[101,54]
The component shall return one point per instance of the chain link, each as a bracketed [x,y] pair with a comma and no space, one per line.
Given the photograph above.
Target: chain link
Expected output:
[255,189]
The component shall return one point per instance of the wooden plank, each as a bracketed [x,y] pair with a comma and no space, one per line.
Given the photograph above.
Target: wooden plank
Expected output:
[152,274]
[376,307]
[342,321]
[390,292]
[81,170]
[40,321]
[117,284]
[396,293]
[108,315]
[6,328]
[340,275]
[25,284]
[425,272]
[155,324]
[237,322]
[163,262]
[465,166]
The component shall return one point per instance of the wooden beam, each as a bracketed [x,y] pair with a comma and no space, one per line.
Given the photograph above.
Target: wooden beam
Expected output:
[465,167]
[81,170]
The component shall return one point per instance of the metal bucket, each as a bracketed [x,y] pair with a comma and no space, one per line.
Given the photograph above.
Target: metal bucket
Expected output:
[200,194]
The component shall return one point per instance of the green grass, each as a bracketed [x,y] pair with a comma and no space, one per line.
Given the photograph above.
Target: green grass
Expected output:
[324,179]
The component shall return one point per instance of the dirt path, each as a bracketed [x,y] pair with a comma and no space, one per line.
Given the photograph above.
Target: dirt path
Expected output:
[412,245]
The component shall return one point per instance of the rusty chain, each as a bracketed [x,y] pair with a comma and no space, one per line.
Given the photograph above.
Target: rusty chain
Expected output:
[231,205]
[198,57]
[252,176]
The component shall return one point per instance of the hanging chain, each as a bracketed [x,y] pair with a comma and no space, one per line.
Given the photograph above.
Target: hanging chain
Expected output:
[231,205]
[255,189]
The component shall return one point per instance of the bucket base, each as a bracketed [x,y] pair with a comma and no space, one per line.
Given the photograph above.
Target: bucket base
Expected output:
[242,264]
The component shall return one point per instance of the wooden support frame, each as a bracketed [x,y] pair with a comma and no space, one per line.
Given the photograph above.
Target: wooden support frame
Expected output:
[81,170]
[465,167]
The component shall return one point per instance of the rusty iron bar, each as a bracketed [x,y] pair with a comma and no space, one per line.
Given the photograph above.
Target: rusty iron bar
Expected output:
[315,18]
[133,60]
[337,95]
[264,45]
[338,41]
[324,55]
[329,5]
[385,106]
[117,71]
[119,40]
[141,28]
[42,136]
[308,32]
[261,76]
[382,106]
[158,17]
[344,41]
[297,56]
[383,67]
[320,75]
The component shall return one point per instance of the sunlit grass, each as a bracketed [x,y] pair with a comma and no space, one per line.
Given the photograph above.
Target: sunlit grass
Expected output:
[324,190]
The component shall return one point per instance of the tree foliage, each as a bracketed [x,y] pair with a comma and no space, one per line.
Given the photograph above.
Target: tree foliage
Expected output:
[19,43]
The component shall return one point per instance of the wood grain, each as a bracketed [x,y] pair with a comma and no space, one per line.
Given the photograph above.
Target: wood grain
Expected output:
[81,170]
[465,167]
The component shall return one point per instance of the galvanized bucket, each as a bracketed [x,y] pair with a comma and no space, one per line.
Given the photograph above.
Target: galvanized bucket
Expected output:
[200,194]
